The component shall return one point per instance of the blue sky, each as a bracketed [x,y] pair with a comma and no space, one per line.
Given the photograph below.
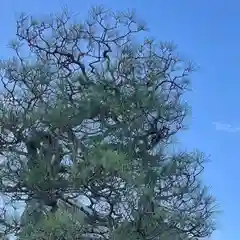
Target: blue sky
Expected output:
[208,32]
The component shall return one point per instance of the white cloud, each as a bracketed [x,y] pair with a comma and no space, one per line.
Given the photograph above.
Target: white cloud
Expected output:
[226,127]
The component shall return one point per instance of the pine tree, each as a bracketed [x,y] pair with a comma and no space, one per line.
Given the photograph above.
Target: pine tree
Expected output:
[89,114]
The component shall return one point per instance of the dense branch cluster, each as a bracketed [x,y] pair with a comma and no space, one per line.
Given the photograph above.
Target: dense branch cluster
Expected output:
[92,114]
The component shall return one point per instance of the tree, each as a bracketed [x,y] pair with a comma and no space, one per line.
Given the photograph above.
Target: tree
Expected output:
[90,112]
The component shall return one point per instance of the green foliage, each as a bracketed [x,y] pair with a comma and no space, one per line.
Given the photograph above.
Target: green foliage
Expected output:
[61,225]
[93,114]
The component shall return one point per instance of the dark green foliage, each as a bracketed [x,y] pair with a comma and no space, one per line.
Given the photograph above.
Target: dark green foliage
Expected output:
[93,114]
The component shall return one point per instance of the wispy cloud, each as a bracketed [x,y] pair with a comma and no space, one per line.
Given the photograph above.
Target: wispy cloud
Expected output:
[226,127]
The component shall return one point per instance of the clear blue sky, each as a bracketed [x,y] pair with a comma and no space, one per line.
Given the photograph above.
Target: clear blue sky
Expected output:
[208,32]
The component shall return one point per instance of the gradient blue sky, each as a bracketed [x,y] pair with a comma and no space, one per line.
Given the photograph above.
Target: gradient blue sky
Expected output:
[208,32]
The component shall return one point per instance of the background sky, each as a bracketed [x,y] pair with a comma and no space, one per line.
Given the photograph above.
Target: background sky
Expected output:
[208,32]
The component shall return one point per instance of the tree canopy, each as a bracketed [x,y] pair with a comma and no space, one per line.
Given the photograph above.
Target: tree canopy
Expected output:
[88,113]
